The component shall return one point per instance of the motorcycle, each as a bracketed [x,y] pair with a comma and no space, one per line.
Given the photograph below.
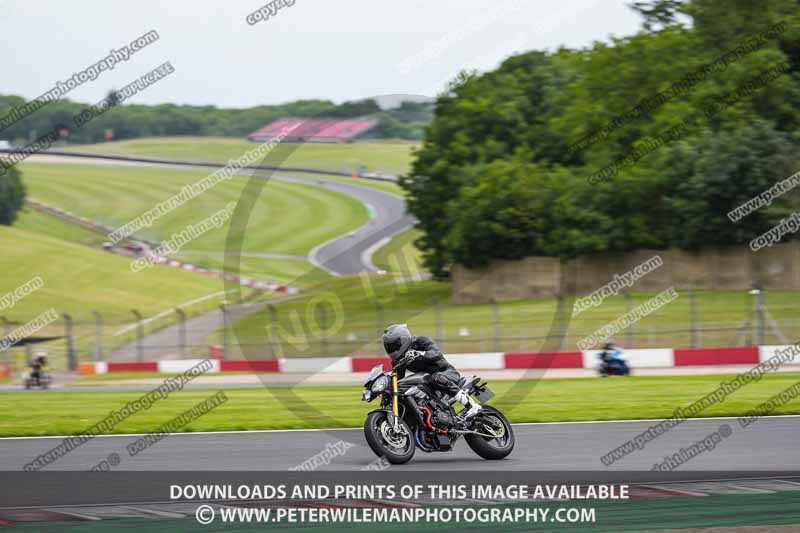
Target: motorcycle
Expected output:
[42,381]
[415,415]
[614,365]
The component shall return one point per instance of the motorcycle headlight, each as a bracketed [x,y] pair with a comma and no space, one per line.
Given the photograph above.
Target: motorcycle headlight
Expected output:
[366,395]
[379,385]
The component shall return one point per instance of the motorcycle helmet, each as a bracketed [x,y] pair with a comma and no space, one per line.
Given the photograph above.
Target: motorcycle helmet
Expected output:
[397,340]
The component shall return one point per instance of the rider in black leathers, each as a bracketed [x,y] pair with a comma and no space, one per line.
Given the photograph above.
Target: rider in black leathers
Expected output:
[398,342]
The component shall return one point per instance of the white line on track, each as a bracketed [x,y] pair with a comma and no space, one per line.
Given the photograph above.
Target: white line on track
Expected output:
[256,431]
[366,255]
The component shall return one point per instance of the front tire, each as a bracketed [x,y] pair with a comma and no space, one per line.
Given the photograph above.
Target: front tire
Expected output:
[397,447]
[491,420]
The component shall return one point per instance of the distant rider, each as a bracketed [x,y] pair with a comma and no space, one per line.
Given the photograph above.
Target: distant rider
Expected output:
[610,356]
[428,359]
[38,368]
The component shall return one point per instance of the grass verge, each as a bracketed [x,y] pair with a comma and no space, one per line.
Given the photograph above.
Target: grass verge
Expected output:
[400,255]
[61,413]
[287,218]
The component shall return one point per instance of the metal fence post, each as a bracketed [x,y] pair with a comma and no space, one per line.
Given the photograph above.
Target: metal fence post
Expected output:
[273,324]
[72,360]
[379,324]
[224,309]
[6,333]
[139,335]
[562,323]
[496,325]
[181,331]
[323,326]
[760,317]
[437,314]
[692,318]
[98,331]
[629,329]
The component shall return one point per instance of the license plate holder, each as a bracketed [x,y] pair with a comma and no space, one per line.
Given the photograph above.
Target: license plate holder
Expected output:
[485,394]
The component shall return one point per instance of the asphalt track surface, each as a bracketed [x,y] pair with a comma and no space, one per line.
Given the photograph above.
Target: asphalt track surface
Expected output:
[350,253]
[346,254]
[770,444]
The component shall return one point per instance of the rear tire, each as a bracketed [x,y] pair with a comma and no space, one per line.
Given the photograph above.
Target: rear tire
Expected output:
[491,448]
[398,448]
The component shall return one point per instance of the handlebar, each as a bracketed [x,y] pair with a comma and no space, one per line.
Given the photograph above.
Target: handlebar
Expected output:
[407,359]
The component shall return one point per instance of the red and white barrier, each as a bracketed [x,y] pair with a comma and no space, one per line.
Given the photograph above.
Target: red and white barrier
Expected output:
[638,358]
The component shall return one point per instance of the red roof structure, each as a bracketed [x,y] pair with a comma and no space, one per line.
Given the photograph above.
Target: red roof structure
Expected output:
[313,130]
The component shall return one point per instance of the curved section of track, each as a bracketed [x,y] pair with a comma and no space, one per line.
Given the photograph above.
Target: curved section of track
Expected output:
[346,254]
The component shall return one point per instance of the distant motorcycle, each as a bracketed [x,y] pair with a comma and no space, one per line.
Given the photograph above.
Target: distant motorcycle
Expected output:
[414,415]
[613,364]
[43,380]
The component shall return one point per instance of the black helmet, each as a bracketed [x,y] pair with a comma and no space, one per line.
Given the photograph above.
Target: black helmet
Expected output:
[397,340]
[609,345]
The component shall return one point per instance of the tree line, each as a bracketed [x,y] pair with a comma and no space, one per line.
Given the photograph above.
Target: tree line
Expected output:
[684,112]
[407,121]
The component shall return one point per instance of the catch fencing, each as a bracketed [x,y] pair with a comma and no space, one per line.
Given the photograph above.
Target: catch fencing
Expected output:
[274,332]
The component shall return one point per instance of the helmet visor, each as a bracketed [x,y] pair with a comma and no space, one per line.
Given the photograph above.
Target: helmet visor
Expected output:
[393,345]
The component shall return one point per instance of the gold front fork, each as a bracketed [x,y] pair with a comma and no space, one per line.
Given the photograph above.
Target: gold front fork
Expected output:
[395,410]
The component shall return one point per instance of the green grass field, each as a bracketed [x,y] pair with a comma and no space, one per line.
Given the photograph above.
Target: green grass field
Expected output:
[400,255]
[288,218]
[383,157]
[59,413]
[52,226]
[294,272]
[521,326]
[78,280]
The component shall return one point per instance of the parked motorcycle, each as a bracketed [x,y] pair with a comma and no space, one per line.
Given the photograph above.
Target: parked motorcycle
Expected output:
[415,415]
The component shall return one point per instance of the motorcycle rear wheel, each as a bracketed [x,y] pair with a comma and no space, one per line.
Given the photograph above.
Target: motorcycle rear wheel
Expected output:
[397,447]
[491,448]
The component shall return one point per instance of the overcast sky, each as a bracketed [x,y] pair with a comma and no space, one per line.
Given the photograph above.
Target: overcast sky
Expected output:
[330,49]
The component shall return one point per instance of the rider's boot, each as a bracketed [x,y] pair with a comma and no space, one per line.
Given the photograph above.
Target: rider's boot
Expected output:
[471,407]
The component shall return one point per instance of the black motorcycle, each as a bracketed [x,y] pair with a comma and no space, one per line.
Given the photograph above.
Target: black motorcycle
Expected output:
[42,380]
[415,415]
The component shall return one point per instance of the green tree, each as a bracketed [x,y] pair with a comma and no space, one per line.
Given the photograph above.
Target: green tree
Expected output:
[12,196]
[503,168]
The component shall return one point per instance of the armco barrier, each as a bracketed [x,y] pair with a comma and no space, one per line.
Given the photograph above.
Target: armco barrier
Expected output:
[365,364]
[249,366]
[740,355]
[638,358]
[151,366]
[544,360]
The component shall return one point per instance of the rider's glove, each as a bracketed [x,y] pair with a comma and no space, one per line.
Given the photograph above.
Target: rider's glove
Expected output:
[413,354]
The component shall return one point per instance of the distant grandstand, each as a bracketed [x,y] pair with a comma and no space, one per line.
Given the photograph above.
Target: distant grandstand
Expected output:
[314,130]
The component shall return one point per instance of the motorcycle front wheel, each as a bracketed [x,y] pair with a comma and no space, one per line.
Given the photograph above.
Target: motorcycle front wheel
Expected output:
[397,446]
[493,422]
